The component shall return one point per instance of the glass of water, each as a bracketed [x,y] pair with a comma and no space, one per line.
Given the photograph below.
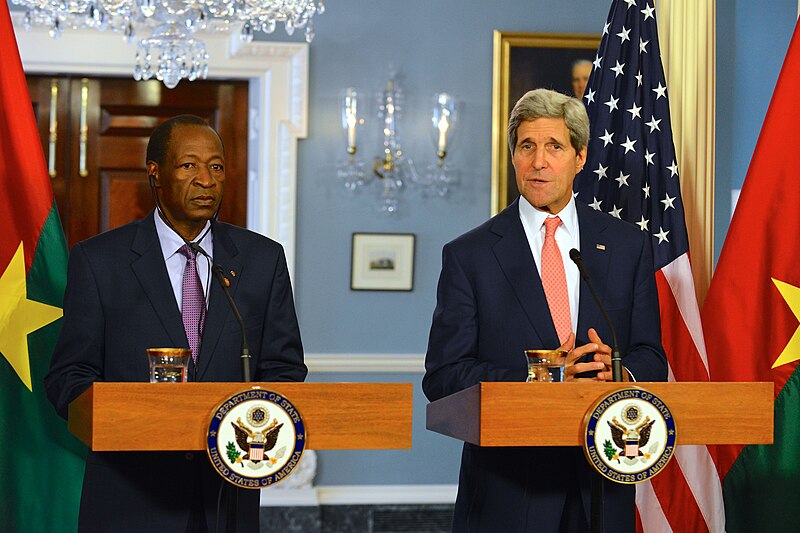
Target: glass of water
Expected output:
[168,365]
[546,365]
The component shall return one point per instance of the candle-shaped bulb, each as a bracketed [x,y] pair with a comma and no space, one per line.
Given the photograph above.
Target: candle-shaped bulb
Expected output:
[443,125]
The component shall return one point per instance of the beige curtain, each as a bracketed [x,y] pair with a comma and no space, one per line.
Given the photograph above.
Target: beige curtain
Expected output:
[687,37]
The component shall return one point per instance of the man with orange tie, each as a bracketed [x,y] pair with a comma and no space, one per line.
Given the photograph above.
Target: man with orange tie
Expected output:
[509,286]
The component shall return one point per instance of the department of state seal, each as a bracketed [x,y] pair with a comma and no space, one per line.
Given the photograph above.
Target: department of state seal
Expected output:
[255,438]
[629,436]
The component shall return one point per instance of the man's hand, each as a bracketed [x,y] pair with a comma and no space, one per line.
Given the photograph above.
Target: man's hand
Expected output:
[601,362]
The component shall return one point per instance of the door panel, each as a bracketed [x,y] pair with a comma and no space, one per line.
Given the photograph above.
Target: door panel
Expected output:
[102,129]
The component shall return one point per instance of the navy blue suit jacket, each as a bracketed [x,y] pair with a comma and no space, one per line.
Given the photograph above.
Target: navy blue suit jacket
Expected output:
[490,308]
[118,302]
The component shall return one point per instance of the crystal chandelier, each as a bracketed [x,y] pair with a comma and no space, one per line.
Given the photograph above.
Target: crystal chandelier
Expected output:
[171,52]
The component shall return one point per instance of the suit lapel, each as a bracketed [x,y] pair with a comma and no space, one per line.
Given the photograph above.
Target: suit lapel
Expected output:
[225,253]
[596,254]
[151,271]
[513,253]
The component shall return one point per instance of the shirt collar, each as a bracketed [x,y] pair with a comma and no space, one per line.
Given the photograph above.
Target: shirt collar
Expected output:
[568,215]
[171,241]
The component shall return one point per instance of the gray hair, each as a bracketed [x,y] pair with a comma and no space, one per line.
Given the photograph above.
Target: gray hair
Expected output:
[544,103]
[581,62]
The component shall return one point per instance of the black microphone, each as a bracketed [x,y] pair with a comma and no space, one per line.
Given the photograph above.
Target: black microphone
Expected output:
[223,281]
[616,358]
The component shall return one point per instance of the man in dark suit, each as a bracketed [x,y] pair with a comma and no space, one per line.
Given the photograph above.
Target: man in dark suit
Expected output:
[506,286]
[125,292]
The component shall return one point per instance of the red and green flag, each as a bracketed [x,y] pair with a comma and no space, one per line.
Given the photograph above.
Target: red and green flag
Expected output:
[41,464]
[751,316]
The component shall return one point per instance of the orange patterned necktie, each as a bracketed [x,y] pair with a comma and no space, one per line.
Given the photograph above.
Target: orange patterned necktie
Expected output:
[554,280]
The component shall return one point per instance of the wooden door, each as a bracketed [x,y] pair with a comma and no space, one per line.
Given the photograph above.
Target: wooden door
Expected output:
[94,132]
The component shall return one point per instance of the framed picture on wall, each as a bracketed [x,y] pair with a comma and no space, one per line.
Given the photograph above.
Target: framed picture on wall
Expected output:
[382,262]
[522,62]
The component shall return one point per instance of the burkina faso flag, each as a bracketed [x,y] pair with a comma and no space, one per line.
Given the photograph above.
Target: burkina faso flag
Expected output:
[751,316]
[41,464]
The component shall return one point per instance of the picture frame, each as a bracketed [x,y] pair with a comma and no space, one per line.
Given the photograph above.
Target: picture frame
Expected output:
[522,62]
[382,262]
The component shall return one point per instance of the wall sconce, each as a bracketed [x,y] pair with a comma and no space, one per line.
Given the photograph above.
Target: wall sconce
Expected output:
[352,170]
[442,175]
[393,171]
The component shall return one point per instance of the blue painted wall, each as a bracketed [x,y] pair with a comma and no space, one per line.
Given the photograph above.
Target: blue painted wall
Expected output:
[435,46]
[751,45]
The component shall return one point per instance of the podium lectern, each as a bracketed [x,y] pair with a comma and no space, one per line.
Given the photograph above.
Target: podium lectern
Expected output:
[551,414]
[145,416]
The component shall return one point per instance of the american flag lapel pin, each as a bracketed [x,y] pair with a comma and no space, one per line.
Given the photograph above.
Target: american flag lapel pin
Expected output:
[601,247]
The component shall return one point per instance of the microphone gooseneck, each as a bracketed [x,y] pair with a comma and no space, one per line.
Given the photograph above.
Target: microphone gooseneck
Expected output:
[616,358]
[220,275]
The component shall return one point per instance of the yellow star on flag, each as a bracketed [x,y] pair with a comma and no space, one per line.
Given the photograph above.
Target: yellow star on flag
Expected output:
[20,316]
[791,295]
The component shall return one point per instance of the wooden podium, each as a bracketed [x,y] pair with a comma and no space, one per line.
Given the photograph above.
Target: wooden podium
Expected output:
[551,414]
[167,416]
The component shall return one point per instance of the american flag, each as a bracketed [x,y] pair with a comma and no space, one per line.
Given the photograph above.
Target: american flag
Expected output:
[631,172]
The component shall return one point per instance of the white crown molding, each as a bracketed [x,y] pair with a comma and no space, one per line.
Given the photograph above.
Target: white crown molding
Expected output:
[363,363]
[278,74]
[361,495]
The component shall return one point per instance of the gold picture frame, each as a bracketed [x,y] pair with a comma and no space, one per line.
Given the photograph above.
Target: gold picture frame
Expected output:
[525,61]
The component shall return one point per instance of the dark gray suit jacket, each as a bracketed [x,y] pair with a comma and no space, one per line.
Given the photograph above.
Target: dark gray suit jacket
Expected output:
[118,302]
[490,308]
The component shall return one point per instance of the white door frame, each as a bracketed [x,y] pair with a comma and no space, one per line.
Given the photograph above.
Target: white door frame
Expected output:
[278,105]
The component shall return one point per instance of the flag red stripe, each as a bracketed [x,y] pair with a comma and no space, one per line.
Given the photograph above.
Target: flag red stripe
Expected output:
[679,346]
[673,486]
[677,500]
[24,181]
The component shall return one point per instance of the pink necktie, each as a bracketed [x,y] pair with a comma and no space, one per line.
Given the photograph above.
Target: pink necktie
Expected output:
[193,303]
[554,280]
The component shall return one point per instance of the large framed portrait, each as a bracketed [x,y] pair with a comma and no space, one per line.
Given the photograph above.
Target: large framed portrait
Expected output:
[525,61]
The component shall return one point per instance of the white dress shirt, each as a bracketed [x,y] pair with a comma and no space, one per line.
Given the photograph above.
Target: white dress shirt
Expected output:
[567,238]
[176,262]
